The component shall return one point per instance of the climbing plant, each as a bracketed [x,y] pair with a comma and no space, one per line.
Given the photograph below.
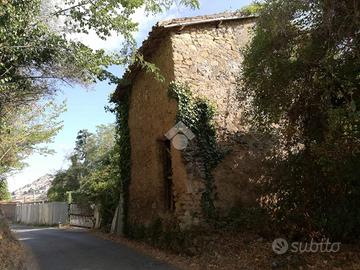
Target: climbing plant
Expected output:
[123,143]
[197,114]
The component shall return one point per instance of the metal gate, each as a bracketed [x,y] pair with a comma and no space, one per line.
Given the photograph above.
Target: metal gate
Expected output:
[81,215]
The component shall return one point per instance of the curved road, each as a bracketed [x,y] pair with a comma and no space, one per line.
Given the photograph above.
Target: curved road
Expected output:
[76,249]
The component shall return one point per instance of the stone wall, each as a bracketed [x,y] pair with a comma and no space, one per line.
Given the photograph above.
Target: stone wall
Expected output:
[151,115]
[188,189]
[208,59]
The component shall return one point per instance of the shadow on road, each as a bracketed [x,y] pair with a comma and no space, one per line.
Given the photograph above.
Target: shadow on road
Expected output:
[76,249]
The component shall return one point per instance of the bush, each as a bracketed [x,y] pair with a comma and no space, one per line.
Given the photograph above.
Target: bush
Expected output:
[165,234]
[300,86]
[311,196]
[254,219]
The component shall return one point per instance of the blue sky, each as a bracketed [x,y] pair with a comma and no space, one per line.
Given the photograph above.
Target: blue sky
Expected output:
[85,107]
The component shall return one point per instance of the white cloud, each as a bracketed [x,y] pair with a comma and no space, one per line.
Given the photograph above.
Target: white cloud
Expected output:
[93,41]
[145,21]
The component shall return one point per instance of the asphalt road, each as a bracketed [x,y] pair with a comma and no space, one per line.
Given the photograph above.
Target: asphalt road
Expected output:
[76,249]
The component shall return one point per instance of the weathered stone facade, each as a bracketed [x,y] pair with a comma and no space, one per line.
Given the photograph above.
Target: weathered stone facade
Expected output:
[208,59]
[151,113]
[204,53]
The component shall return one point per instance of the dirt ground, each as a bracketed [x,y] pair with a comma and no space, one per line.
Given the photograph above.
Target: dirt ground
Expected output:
[12,253]
[246,251]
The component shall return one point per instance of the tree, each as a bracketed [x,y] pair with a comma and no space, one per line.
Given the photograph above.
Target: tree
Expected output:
[37,52]
[251,9]
[81,143]
[4,191]
[23,129]
[102,183]
[300,84]
[34,56]
[93,174]
[64,181]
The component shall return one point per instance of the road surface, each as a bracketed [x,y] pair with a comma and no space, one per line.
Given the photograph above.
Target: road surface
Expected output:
[76,249]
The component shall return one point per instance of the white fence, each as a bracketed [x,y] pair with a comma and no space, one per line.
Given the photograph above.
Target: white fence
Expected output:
[42,213]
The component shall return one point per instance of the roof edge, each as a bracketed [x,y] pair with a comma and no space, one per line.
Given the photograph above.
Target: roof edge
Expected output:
[160,29]
[168,24]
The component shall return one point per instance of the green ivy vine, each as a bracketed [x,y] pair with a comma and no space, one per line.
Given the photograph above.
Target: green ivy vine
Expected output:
[123,141]
[197,114]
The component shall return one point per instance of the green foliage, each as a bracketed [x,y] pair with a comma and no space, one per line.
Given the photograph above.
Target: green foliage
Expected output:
[300,83]
[4,191]
[316,196]
[34,55]
[124,148]
[197,114]
[64,181]
[23,128]
[165,234]
[252,9]
[248,219]
[38,52]
[93,174]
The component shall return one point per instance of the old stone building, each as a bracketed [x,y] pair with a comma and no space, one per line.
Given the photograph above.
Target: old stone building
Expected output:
[203,53]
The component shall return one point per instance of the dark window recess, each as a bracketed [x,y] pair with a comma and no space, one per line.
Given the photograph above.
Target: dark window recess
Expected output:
[168,183]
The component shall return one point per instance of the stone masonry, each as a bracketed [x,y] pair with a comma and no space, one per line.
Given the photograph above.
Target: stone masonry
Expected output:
[204,53]
[208,59]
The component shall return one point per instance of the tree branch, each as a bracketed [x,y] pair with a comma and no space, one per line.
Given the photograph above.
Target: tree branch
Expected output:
[59,12]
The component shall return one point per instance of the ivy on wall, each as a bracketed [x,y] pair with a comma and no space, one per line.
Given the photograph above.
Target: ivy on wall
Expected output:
[197,114]
[124,146]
